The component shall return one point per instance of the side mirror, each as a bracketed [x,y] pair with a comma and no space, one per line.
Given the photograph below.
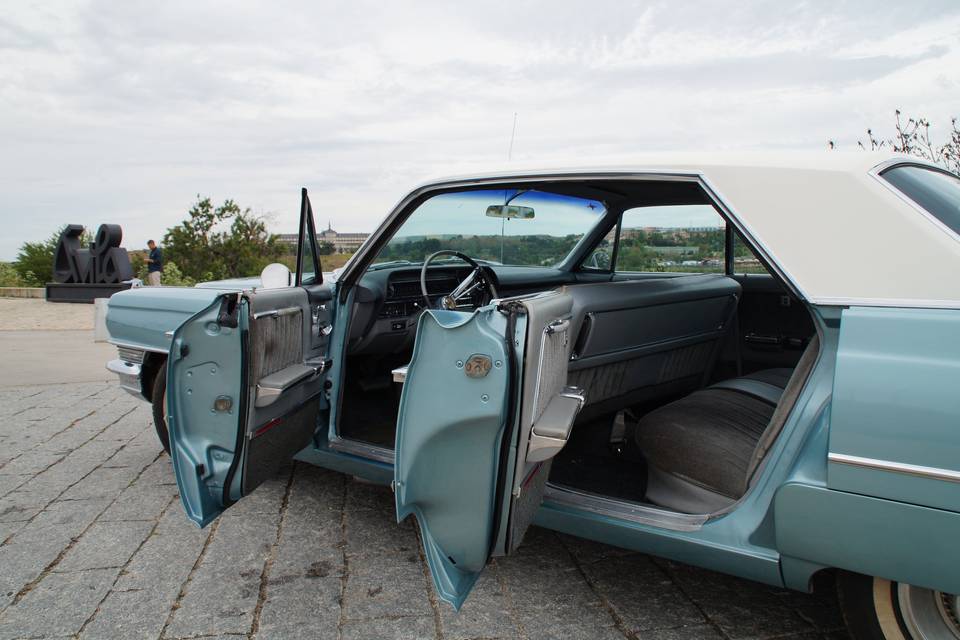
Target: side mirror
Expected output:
[275,276]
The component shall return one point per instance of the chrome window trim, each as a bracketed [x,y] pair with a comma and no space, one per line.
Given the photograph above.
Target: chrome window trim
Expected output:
[876,172]
[887,302]
[622,509]
[934,473]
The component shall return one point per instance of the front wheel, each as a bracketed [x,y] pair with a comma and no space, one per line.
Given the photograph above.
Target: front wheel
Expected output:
[878,609]
[159,396]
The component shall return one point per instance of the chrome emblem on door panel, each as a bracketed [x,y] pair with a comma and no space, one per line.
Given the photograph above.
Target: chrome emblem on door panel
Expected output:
[477,366]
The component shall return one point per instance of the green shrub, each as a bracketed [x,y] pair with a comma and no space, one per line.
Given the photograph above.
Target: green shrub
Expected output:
[9,276]
[171,276]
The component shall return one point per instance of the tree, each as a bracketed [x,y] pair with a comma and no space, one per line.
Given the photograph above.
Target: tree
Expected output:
[206,249]
[34,263]
[913,138]
[326,248]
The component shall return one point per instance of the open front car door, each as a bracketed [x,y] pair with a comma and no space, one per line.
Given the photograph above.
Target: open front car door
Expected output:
[484,409]
[245,381]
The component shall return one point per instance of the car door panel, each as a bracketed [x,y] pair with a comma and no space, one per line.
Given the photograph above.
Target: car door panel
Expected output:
[774,327]
[894,396]
[244,395]
[204,435]
[449,436]
[474,401]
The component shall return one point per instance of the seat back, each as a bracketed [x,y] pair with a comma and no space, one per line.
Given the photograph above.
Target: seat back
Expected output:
[785,405]
[637,339]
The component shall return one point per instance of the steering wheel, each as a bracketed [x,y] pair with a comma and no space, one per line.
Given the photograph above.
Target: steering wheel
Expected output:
[478,277]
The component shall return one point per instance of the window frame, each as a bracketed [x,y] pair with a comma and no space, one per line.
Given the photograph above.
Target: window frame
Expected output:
[728,231]
[878,171]
[357,266]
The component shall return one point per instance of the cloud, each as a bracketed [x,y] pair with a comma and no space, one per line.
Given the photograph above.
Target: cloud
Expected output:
[123,112]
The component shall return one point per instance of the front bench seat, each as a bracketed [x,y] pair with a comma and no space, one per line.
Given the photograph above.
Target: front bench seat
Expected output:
[703,450]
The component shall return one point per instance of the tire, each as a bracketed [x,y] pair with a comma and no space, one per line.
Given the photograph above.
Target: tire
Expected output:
[879,609]
[159,396]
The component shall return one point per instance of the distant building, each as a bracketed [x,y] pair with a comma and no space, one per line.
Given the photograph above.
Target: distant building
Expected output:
[343,242]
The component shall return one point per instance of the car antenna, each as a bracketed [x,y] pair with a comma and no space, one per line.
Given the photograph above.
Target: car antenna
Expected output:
[513,134]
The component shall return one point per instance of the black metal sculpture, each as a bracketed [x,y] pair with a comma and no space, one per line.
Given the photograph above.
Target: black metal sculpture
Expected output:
[82,275]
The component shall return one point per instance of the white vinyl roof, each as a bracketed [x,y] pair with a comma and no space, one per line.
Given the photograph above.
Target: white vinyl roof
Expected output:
[837,232]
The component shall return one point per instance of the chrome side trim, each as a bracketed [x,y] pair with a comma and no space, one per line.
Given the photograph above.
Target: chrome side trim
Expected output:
[362,449]
[623,510]
[130,345]
[921,471]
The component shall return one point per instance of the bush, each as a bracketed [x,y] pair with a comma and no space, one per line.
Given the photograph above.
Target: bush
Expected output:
[9,276]
[171,276]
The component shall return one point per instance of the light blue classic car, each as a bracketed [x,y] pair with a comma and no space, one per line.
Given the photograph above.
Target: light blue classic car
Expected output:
[751,364]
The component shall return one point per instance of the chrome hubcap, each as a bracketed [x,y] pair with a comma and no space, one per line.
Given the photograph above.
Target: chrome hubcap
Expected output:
[928,614]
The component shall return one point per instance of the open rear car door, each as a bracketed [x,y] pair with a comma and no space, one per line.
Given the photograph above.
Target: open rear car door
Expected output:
[245,383]
[484,409]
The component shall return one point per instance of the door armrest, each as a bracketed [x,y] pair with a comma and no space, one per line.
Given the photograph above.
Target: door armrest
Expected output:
[272,386]
[552,429]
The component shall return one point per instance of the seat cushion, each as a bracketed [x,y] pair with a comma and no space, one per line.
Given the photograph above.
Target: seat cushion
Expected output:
[776,377]
[706,438]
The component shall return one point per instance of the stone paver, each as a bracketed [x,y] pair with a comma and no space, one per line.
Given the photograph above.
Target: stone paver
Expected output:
[94,544]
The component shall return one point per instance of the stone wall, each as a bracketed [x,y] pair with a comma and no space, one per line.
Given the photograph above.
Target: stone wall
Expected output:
[21,292]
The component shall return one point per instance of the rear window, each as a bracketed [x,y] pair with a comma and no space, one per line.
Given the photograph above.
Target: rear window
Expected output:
[935,191]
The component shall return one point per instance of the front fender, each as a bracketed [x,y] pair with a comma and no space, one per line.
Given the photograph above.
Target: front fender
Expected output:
[145,318]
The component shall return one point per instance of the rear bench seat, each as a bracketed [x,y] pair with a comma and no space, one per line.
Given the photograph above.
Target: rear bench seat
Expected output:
[638,339]
[703,451]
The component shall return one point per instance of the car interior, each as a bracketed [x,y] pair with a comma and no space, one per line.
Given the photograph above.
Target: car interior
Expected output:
[689,350]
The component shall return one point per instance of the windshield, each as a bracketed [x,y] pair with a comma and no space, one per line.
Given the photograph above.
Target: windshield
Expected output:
[536,229]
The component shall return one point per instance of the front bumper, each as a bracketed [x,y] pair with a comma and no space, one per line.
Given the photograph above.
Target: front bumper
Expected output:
[129,375]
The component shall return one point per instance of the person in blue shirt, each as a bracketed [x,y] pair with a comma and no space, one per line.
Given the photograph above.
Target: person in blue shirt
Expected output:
[154,264]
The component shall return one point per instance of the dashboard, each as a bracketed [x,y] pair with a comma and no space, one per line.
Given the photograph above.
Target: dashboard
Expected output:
[388,302]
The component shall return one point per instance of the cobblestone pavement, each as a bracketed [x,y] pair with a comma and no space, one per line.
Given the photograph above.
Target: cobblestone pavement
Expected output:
[93,543]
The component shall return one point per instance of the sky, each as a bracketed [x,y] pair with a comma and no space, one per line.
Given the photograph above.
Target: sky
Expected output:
[124,112]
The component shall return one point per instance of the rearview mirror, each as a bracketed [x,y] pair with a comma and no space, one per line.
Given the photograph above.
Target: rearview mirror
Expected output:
[510,211]
[275,276]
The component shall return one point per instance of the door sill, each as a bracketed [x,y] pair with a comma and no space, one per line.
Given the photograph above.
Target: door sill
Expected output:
[623,510]
[362,449]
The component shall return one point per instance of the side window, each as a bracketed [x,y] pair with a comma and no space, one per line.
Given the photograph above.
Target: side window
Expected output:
[676,239]
[745,260]
[308,262]
[936,192]
[601,258]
